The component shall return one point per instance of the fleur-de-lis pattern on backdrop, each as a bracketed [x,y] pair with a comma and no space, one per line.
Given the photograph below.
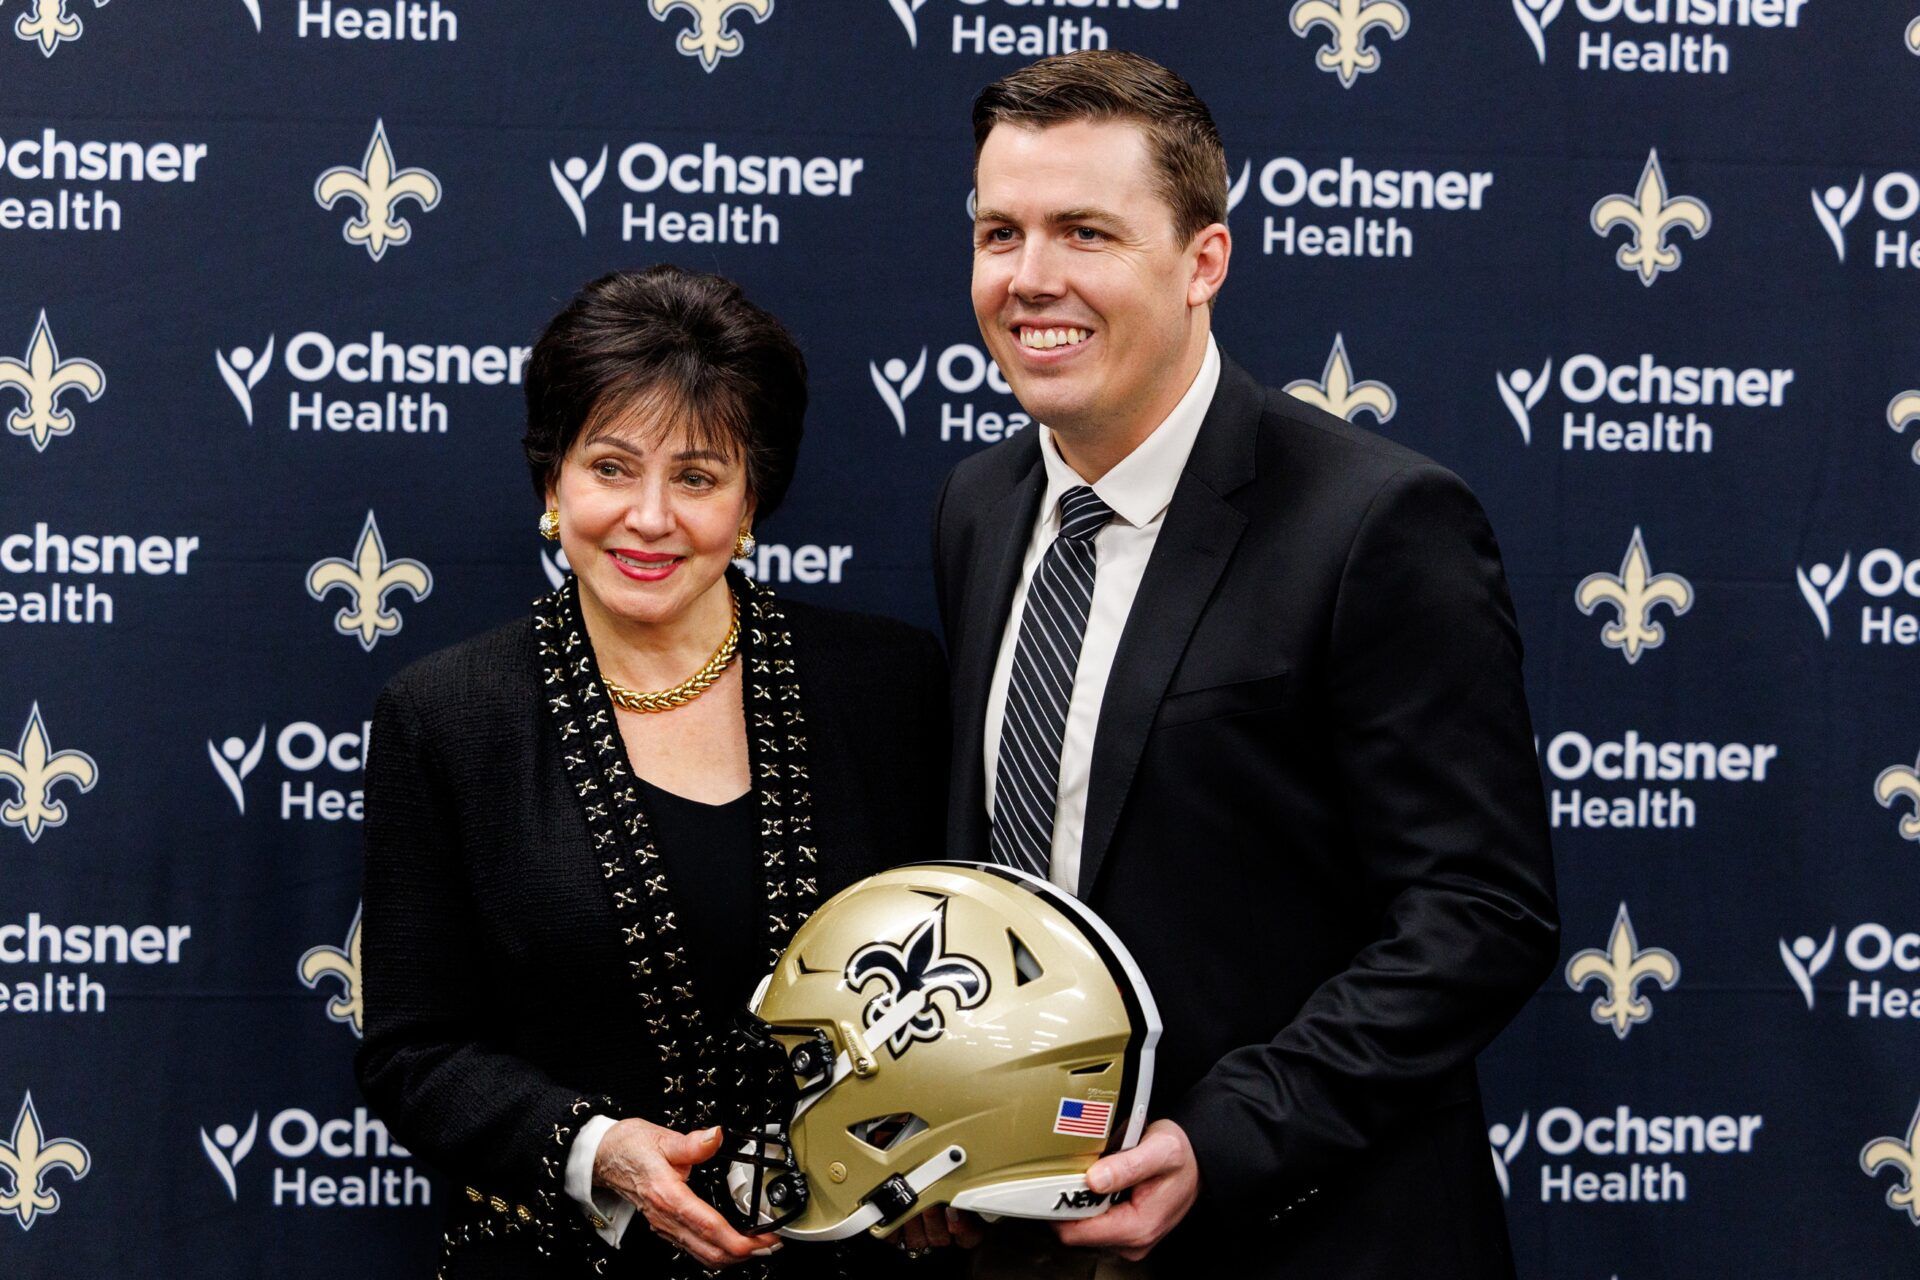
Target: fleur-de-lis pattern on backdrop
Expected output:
[34,768]
[41,378]
[1348,52]
[712,36]
[29,1157]
[342,964]
[1904,409]
[49,24]
[1650,217]
[1902,1155]
[1632,593]
[1620,969]
[1901,782]
[368,579]
[1339,394]
[377,188]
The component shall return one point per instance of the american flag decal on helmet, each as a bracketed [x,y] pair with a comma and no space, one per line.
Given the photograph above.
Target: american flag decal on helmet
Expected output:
[1083,1119]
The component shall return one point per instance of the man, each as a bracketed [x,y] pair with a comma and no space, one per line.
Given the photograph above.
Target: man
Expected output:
[1246,678]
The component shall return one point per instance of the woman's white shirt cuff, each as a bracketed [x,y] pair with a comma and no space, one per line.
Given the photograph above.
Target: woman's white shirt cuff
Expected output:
[608,1212]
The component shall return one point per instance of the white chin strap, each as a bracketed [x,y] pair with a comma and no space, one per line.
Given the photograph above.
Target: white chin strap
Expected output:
[923,1175]
[879,1033]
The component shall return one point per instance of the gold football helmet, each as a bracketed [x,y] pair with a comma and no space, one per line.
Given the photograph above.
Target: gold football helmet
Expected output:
[941,1033]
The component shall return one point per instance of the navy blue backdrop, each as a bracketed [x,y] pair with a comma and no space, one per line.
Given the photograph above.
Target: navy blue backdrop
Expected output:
[1643,271]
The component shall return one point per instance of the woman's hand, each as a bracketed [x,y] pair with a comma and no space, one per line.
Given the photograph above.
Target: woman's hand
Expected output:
[648,1166]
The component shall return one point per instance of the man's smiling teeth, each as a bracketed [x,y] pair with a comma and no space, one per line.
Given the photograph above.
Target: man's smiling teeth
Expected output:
[646,564]
[1045,339]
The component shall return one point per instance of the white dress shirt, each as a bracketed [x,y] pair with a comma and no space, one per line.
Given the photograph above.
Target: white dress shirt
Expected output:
[1138,488]
[607,1211]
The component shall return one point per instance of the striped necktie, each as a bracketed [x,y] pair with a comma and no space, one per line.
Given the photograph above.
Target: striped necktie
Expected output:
[1027,774]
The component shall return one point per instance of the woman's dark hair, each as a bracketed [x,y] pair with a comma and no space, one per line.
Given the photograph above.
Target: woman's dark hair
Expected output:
[685,343]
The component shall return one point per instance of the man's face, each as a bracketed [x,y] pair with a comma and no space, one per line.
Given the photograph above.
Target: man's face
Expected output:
[1079,283]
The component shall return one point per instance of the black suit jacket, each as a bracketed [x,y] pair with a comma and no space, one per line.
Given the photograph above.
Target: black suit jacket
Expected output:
[495,988]
[1315,818]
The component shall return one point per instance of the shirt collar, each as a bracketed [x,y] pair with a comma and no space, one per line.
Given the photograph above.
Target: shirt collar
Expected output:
[1140,485]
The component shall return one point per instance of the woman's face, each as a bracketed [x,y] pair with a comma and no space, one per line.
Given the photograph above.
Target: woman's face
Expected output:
[648,517]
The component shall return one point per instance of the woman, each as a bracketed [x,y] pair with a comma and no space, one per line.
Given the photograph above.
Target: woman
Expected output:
[590,832]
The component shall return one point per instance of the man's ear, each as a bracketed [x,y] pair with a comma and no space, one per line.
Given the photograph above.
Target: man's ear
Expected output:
[1211,248]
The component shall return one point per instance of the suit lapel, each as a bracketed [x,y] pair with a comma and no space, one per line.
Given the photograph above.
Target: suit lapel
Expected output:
[1196,540]
[993,571]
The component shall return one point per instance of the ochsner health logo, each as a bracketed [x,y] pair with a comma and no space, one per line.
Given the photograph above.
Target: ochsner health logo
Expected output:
[1805,958]
[312,1153]
[1895,200]
[1535,17]
[575,180]
[226,1146]
[235,761]
[895,382]
[1881,574]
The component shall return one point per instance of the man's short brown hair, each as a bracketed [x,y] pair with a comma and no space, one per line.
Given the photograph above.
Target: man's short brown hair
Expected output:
[1101,85]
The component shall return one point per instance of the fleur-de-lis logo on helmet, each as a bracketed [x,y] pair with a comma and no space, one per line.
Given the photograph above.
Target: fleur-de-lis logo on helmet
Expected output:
[1649,214]
[30,1158]
[42,377]
[1348,21]
[1623,966]
[49,23]
[342,963]
[1339,394]
[1903,409]
[369,578]
[1633,592]
[711,38]
[378,189]
[1901,782]
[1904,1155]
[34,768]
[921,969]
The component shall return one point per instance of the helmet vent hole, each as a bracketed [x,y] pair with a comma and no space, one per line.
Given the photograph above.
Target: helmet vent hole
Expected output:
[884,1133]
[1092,1069]
[1024,965]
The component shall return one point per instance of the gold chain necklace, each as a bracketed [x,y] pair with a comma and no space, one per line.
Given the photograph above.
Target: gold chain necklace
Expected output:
[690,688]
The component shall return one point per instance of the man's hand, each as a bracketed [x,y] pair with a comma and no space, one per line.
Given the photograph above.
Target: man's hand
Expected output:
[936,1229]
[1165,1179]
[648,1165]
